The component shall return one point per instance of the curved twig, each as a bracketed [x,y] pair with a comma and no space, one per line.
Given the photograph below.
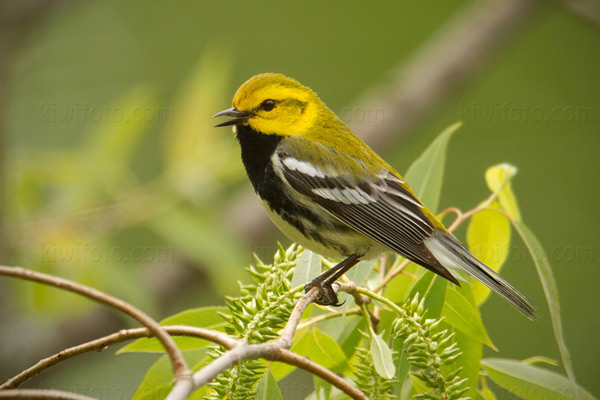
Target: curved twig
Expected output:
[118,337]
[180,369]
[41,394]
[276,350]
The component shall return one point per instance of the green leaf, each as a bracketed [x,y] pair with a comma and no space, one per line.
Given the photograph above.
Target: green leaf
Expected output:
[460,312]
[360,272]
[322,388]
[158,380]
[320,348]
[307,268]
[498,180]
[345,332]
[530,382]
[486,394]
[398,289]
[433,288]
[488,237]
[382,356]
[426,173]
[323,350]
[469,360]
[401,364]
[299,346]
[267,388]
[550,291]
[206,317]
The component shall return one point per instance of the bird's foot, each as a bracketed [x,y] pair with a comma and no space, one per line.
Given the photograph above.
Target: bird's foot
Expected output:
[327,296]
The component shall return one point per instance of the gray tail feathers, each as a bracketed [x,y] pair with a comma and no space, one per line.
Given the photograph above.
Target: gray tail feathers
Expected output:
[453,255]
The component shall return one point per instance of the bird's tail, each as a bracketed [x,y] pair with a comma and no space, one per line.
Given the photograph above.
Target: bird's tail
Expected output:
[454,256]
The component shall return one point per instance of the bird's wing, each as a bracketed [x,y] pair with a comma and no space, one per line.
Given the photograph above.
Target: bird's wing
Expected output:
[377,204]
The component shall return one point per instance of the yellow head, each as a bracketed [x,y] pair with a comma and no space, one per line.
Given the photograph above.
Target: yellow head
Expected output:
[274,104]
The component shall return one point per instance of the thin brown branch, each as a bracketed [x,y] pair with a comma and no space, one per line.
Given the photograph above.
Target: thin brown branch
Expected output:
[302,362]
[41,394]
[276,350]
[391,275]
[324,317]
[239,351]
[287,334]
[180,368]
[118,337]
[270,351]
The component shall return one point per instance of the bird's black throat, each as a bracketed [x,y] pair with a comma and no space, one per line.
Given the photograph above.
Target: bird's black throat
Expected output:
[257,150]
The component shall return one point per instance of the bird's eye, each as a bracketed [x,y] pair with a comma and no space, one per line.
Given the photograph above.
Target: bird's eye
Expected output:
[267,105]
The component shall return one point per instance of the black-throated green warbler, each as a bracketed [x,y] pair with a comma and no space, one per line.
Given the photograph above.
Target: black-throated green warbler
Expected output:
[327,190]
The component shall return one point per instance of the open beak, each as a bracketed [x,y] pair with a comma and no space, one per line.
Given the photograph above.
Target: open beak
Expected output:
[238,116]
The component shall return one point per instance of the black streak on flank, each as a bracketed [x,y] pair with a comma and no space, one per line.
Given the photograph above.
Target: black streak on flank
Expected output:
[257,150]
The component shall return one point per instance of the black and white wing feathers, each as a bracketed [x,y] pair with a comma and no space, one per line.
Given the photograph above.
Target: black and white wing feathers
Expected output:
[376,205]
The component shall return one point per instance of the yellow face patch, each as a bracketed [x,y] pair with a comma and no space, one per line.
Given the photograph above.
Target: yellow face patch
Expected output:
[280,105]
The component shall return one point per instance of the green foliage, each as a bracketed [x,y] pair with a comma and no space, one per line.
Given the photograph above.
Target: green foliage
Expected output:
[488,237]
[371,383]
[204,317]
[428,350]
[426,341]
[549,285]
[425,175]
[255,317]
[530,382]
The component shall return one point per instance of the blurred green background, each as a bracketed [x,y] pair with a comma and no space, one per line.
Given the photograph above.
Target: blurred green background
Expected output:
[113,176]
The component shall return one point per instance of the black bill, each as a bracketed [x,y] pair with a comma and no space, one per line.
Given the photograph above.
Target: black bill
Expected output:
[239,116]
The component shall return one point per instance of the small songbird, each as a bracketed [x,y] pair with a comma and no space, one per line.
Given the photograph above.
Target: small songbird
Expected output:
[327,190]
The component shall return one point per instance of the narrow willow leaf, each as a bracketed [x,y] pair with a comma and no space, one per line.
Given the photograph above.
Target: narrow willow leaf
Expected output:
[401,364]
[486,394]
[308,268]
[359,273]
[469,360]
[346,332]
[300,346]
[267,388]
[461,313]
[488,237]
[530,382]
[205,317]
[418,386]
[498,180]
[158,380]
[425,175]
[319,347]
[550,291]
[322,388]
[433,288]
[323,350]
[382,356]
